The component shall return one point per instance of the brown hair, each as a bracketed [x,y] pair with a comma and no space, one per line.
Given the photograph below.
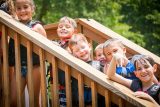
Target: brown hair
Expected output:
[140,57]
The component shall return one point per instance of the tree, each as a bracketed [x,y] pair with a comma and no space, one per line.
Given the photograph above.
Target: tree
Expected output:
[137,20]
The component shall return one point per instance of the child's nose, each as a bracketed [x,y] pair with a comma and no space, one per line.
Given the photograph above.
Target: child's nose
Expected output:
[63,27]
[143,70]
[102,56]
[22,10]
[81,51]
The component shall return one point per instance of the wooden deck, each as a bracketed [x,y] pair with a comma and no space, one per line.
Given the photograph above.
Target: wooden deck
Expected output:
[72,67]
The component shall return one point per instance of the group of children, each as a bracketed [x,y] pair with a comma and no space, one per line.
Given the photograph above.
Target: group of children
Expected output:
[136,73]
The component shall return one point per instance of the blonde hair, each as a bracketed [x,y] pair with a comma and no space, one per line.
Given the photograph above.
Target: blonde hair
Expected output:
[113,40]
[75,39]
[70,20]
[99,46]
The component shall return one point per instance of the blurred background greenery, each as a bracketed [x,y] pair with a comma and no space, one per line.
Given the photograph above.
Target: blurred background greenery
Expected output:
[137,20]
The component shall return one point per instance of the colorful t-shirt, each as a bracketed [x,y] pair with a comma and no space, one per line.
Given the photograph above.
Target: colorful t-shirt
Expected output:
[153,91]
[127,72]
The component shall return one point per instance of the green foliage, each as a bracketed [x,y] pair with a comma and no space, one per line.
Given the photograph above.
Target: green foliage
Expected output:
[137,20]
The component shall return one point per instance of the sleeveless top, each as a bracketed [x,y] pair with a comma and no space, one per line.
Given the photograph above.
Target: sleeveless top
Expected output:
[23,50]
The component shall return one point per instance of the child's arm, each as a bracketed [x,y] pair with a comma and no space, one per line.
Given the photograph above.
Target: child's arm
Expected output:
[105,68]
[143,95]
[111,71]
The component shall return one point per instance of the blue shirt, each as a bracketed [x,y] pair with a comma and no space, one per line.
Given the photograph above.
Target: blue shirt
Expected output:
[127,72]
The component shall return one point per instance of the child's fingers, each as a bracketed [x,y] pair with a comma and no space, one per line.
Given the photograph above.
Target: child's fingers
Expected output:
[119,62]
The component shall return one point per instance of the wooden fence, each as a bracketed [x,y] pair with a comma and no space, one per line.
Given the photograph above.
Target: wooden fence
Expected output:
[60,59]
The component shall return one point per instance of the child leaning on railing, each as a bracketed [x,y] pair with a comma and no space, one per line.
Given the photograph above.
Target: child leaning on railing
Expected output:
[144,87]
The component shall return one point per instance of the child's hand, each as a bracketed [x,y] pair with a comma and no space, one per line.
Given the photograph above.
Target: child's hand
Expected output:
[105,68]
[121,60]
[141,94]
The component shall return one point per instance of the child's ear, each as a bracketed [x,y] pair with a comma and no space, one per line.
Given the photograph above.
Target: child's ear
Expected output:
[154,68]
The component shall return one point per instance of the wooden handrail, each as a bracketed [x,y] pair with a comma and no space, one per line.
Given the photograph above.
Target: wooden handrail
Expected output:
[84,73]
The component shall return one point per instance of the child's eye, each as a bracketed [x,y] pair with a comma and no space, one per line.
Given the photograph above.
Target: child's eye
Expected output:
[60,26]
[146,66]
[25,7]
[18,8]
[82,47]
[67,26]
[138,68]
[99,55]
[115,50]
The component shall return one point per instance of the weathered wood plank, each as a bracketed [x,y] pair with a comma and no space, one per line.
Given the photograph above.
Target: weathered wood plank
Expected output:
[43,79]
[29,74]
[5,71]
[107,98]
[81,90]
[18,70]
[55,93]
[120,102]
[68,85]
[94,94]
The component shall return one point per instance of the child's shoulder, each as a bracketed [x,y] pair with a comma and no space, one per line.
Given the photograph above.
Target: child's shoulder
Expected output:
[32,23]
[95,64]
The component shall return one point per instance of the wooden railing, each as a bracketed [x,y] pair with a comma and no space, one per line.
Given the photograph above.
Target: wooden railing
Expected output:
[59,58]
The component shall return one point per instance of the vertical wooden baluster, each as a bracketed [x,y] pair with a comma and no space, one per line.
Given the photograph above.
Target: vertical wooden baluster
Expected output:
[81,90]
[120,102]
[1,83]
[43,79]
[80,28]
[29,74]
[68,85]
[1,79]
[107,98]
[5,68]
[55,93]
[94,94]
[18,70]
